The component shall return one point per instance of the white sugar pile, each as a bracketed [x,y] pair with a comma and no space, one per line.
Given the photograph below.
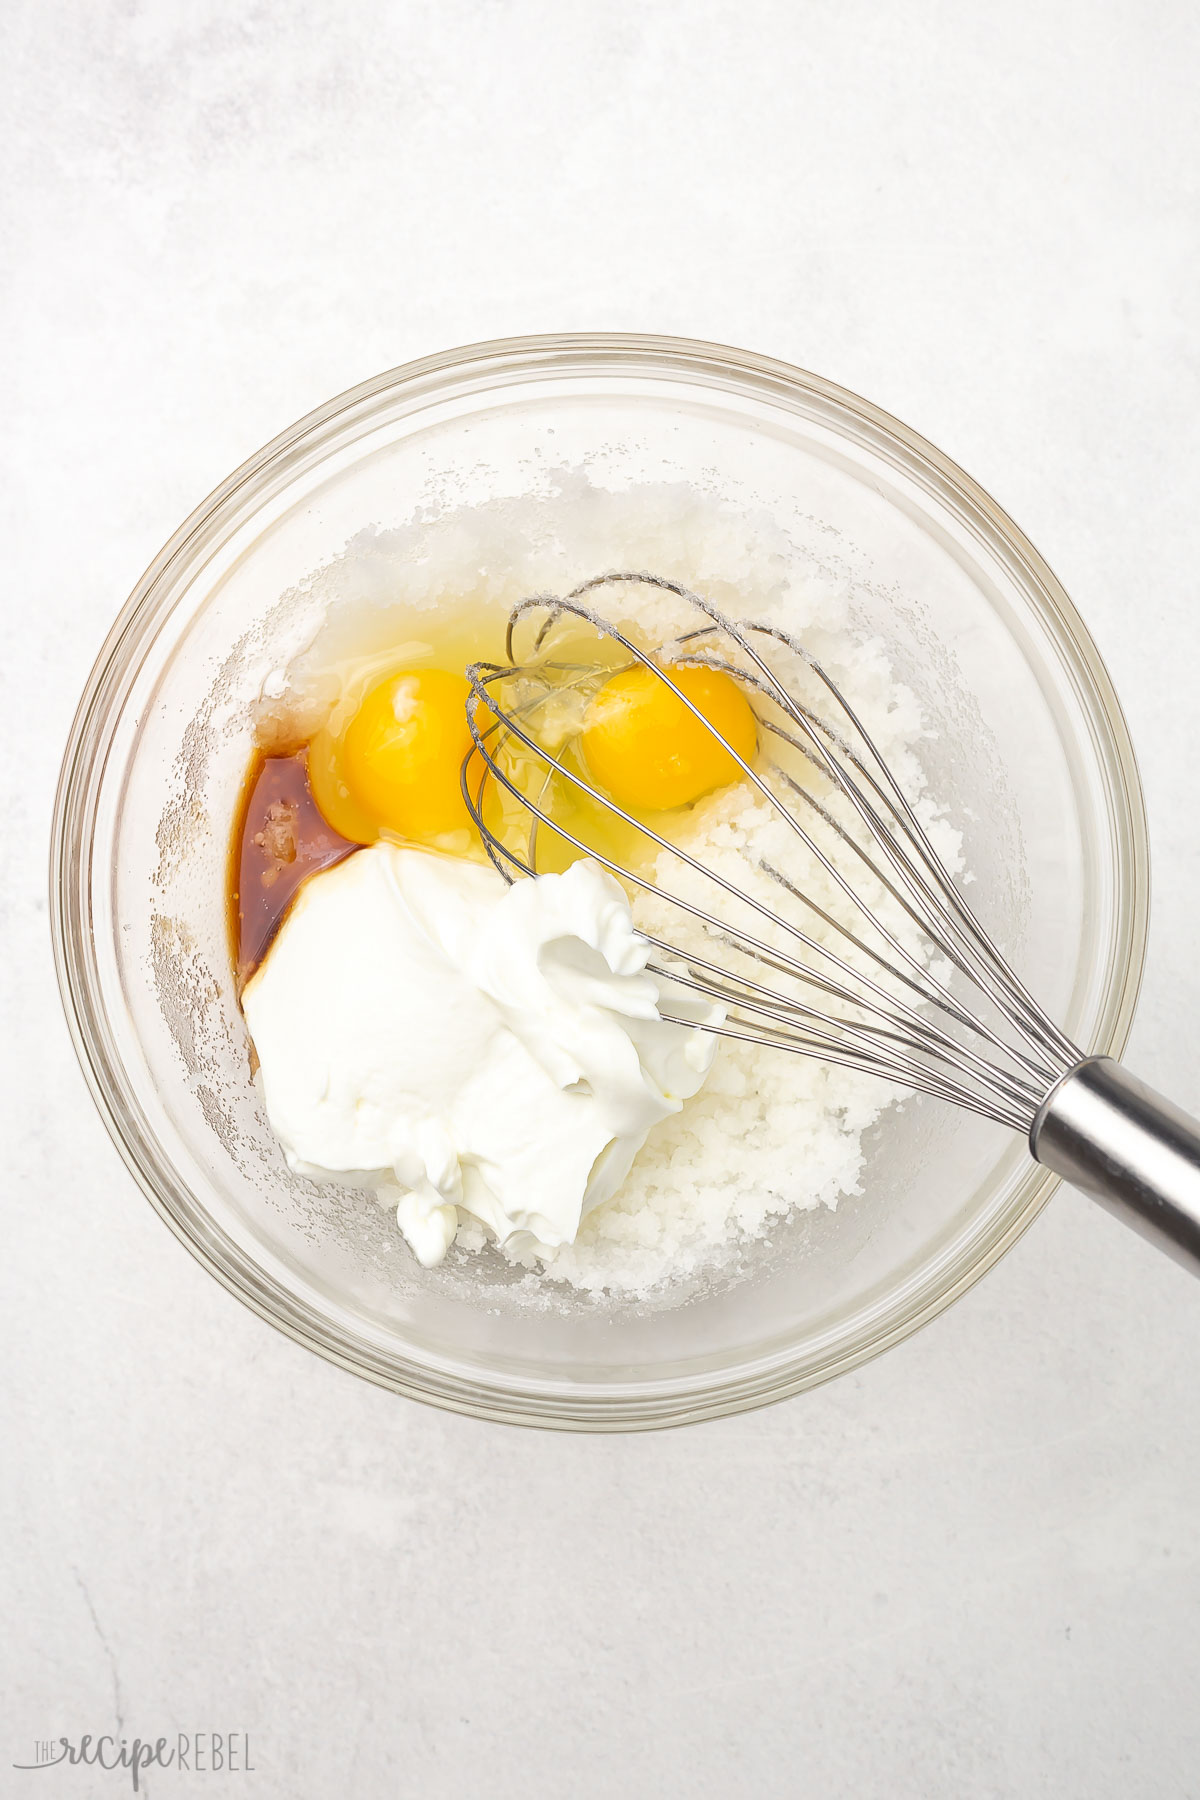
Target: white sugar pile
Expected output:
[770,1132]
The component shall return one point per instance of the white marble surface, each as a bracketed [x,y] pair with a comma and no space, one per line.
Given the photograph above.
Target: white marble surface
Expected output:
[970,1569]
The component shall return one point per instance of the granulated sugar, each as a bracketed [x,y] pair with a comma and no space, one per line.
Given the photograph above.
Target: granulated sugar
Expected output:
[771,1131]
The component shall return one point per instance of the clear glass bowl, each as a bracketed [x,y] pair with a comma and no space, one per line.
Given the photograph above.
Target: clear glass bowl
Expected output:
[1033,759]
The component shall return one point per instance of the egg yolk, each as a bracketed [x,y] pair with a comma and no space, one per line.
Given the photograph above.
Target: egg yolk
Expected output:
[396,766]
[650,753]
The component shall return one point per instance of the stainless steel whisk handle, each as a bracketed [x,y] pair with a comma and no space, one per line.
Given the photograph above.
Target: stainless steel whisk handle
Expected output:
[1138,1154]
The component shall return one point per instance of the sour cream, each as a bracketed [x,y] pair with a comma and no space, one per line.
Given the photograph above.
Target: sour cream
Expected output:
[497,1051]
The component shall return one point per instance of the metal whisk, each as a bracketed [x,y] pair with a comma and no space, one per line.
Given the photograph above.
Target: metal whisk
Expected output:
[888,970]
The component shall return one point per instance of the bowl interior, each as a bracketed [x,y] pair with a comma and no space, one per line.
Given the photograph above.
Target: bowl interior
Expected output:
[1027,752]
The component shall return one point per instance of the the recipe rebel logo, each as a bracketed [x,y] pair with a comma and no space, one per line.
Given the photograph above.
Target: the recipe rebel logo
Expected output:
[193,1753]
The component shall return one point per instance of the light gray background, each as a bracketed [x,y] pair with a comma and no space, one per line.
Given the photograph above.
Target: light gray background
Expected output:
[970,1569]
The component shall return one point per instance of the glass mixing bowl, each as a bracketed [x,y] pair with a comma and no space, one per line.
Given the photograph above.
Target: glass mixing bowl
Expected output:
[1031,758]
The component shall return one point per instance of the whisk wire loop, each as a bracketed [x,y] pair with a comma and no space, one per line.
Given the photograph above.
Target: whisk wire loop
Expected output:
[998,1060]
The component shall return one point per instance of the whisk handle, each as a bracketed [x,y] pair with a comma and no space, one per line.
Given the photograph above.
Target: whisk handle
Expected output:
[1109,1134]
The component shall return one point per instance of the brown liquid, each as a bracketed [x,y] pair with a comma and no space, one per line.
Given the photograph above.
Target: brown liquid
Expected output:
[280,839]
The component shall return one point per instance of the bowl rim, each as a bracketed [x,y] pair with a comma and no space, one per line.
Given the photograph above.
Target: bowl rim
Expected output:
[675,1402]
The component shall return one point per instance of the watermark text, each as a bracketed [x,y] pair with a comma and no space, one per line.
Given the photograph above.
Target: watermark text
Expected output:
[198,1753]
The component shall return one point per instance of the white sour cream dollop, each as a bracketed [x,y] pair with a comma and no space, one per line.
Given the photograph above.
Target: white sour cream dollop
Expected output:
[498,1051]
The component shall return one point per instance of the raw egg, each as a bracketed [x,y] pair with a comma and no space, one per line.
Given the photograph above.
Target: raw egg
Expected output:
[393,768]
[650,753]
